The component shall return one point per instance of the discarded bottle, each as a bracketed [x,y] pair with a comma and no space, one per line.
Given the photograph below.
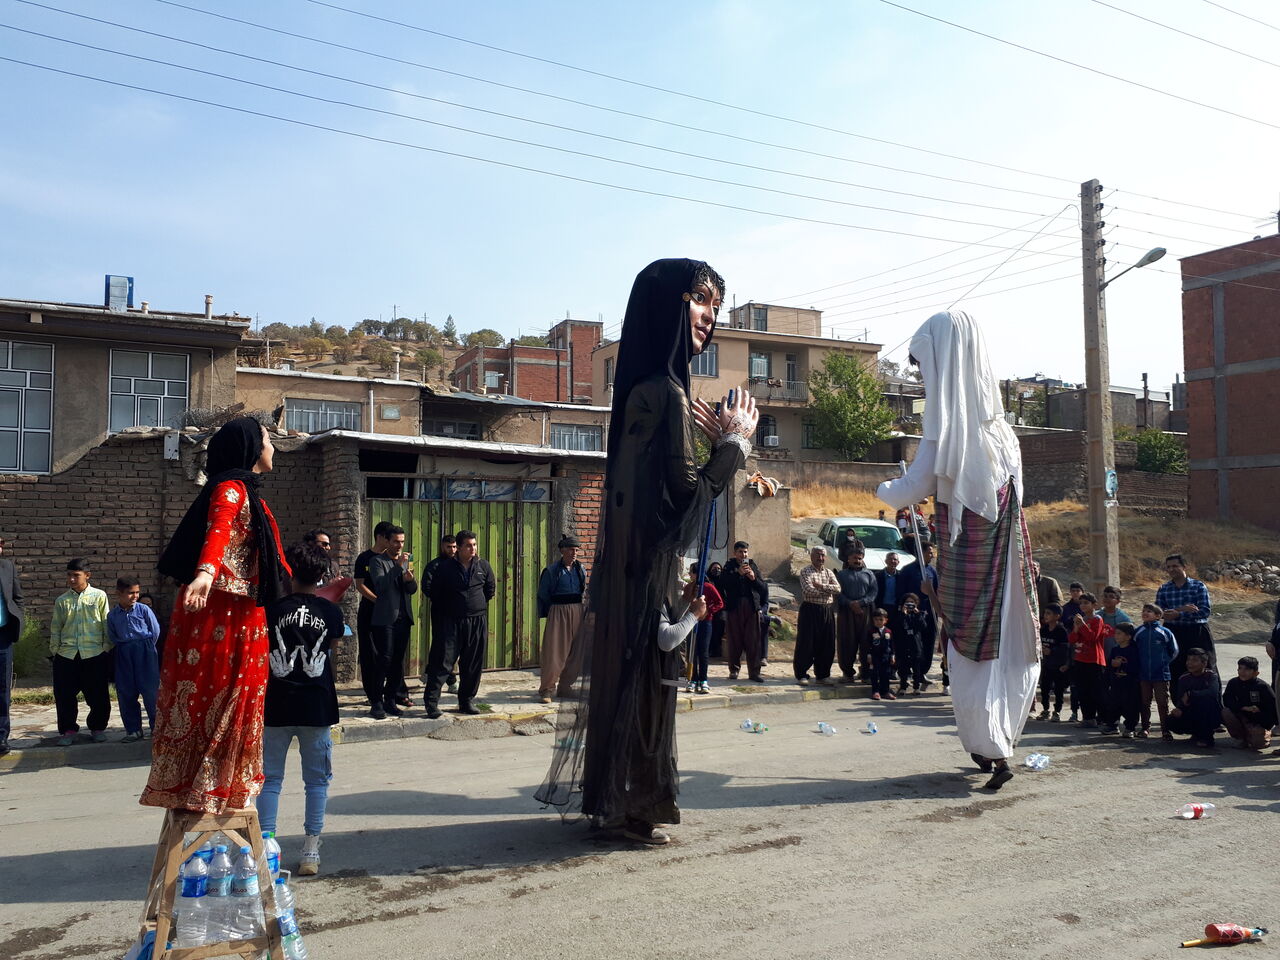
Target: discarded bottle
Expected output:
[218,895]
[1227,933]
[193,906]
[246,898]
[271,850]
[1036,761]
[826,729]
[290,939]
[871,727]
[747,725]
[1196,811]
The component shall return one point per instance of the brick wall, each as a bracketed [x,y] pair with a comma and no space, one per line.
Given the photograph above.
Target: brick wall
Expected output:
[117,507]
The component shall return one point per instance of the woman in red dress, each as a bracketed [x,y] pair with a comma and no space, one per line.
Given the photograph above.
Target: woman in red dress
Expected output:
[207,752]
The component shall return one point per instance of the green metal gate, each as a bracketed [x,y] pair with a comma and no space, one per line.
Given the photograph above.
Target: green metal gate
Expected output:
[512,535]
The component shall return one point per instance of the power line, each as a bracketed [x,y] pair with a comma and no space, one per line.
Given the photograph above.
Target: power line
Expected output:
[508,116]
[488,160]
[1221,6]
[991,293]
[1185,33]
[1003,262]
[1072,63]
[494,136]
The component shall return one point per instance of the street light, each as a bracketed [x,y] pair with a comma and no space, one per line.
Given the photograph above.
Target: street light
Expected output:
[1151,256]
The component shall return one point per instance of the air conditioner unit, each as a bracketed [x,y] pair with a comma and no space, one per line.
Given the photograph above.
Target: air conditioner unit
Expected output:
[771,441]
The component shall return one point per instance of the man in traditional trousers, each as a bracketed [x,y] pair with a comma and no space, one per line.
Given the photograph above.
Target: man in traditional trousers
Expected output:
[560,590]
[969,459]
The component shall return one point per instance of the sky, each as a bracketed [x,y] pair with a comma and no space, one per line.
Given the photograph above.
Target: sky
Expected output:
[749,134]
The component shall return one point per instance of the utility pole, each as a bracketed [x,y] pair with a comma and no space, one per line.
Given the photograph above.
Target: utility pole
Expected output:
[1104,540]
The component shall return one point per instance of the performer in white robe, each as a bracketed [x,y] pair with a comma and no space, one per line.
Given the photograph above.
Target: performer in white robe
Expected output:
[970,460]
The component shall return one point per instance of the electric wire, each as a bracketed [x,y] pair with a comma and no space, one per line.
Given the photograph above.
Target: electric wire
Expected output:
[1080,66]
[1185,33]
[991,293]
[1246,16]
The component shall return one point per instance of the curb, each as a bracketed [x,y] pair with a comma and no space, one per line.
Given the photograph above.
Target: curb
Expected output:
[485,727]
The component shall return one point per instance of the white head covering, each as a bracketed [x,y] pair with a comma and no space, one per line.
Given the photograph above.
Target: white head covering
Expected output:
[977,452]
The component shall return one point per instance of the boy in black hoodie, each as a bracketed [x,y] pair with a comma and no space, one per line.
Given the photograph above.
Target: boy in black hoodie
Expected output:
[1198,702]
[1249,706]
[1124,690]
[1055,664]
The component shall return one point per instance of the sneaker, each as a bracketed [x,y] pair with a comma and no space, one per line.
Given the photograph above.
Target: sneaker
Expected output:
[309,861]
[763,664]
[1167,736]
[147,734]
[803,681]
[946,689]
[1126,734]
[902,688]
[451,686]
[703,688]
[925,686]
[1107,728]
[131,737]
[645,833]
[1056,718]
[66,740]
[1142,733]
[691,687]
[99,736]
[733,674]
[1044,715]
[826,681]
[377,712]
[1075,716]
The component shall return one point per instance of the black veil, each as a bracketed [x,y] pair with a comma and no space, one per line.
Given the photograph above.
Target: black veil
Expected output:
[615,749]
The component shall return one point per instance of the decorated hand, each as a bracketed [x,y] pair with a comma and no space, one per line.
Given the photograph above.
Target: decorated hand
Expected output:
[741,416]
[197,594]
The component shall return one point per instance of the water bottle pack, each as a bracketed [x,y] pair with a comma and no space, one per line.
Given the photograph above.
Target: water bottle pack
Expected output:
[1036,761]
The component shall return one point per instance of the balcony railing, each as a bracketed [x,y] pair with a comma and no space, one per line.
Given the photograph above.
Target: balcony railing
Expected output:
[789,390]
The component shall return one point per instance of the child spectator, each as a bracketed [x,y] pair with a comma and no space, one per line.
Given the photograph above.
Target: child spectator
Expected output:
[1071,610]
[1124,690]
[150,601]
[301,699]
[1249,706]
[913,647]
[1156,650]
[1055,665]
[1111,613]
[1088,640]
[702,632]
[134,631]
[1198,703]
[79,644]
[881,644]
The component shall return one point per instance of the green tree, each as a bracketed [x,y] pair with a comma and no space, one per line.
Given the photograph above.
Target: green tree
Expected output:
[277,331]
[428,357]
[425,332]
[315,347]
[362,371]
[313,329]
[849,412]
[1160,452]
[381,354]
[450,331]
[373,328]
[343,354]
[483,338]
[336,334]
[531,340]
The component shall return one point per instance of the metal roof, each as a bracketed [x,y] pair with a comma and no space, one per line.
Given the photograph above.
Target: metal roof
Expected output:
[449,445]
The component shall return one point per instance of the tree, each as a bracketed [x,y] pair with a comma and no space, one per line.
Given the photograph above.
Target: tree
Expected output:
[336,334]
[484,337]
[428,357]
[343,354]
[450,331]
[381,354]
[277,331]
[316,347]
[1160,452]
[889,369]
[362,372]
[373,328]
[849,412]
[313,329]
[425,332]
[531,340]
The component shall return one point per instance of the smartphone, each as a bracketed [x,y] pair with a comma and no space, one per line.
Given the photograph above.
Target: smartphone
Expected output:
[732,392]
[406,556]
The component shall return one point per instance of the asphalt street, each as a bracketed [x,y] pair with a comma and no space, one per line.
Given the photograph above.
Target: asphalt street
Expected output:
[793,844]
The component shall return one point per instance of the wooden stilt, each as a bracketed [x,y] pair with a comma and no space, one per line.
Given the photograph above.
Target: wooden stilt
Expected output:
[242,830]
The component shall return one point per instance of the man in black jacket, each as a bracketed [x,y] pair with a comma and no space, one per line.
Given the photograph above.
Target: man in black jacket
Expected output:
[461,589]
[391,576]
[10,633]
[746,600]
[448,550]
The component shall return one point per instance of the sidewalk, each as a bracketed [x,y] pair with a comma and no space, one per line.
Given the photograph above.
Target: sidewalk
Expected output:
[508,698]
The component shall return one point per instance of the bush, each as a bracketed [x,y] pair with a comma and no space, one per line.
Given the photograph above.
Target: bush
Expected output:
[1160,452]
[31,653]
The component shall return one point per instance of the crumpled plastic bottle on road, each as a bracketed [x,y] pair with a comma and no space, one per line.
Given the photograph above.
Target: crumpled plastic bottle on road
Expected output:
[1036,761]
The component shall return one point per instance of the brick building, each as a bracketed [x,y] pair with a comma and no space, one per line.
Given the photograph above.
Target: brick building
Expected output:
[1055,467]
[560,372]
[1231,351]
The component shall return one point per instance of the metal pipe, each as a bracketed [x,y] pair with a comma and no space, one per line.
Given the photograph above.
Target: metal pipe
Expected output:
[208,306]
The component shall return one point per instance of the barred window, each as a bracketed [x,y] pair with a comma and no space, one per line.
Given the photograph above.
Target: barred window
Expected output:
[317,416]
[576,436]
[26,407]
[148,389]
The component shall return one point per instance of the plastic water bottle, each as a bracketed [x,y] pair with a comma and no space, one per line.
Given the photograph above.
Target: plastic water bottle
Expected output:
[871,727]
[218,895]
[1036,761]
[246,898]
[193,904]
[205,852]
[1196,811]
[271,850]
[826,729]
[290,939]
[747,725]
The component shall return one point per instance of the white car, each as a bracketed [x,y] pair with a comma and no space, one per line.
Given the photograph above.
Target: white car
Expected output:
[879,537]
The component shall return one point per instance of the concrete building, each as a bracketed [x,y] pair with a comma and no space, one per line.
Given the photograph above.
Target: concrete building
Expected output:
[1130,407]
[560,372]
[772,318]
[1231,351]
[504,419]
[316,402]
[774,366]
[71,375]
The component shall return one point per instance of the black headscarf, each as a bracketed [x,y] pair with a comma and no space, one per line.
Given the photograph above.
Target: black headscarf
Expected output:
[233,451]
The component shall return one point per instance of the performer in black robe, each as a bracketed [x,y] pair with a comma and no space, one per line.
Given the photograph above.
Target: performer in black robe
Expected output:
[617,762]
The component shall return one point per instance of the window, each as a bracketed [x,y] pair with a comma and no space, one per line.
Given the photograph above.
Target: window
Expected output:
[768,427]
[317,416]
[389,411]
[608,372]
[492,380]
[793,368]
[147,389]
[759,318]
[26,407]
[575,436]
[707,363]
[808,435]
[760,365]
[460,429]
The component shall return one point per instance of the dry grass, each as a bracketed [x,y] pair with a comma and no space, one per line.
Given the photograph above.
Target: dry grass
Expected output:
[1060,536]
[822,500]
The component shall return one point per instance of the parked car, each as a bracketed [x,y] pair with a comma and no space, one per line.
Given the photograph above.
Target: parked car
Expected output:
[878,536]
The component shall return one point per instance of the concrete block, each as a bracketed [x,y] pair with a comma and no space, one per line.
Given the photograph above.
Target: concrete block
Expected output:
[705,702]
[473,730]
[533,727]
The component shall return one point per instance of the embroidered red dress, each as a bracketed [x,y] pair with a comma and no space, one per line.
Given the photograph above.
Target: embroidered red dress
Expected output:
[207,751]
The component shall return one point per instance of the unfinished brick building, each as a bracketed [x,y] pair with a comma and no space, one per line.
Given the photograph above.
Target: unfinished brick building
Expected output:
[560,372]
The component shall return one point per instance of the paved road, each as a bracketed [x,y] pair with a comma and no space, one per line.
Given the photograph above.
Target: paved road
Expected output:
[793,845]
